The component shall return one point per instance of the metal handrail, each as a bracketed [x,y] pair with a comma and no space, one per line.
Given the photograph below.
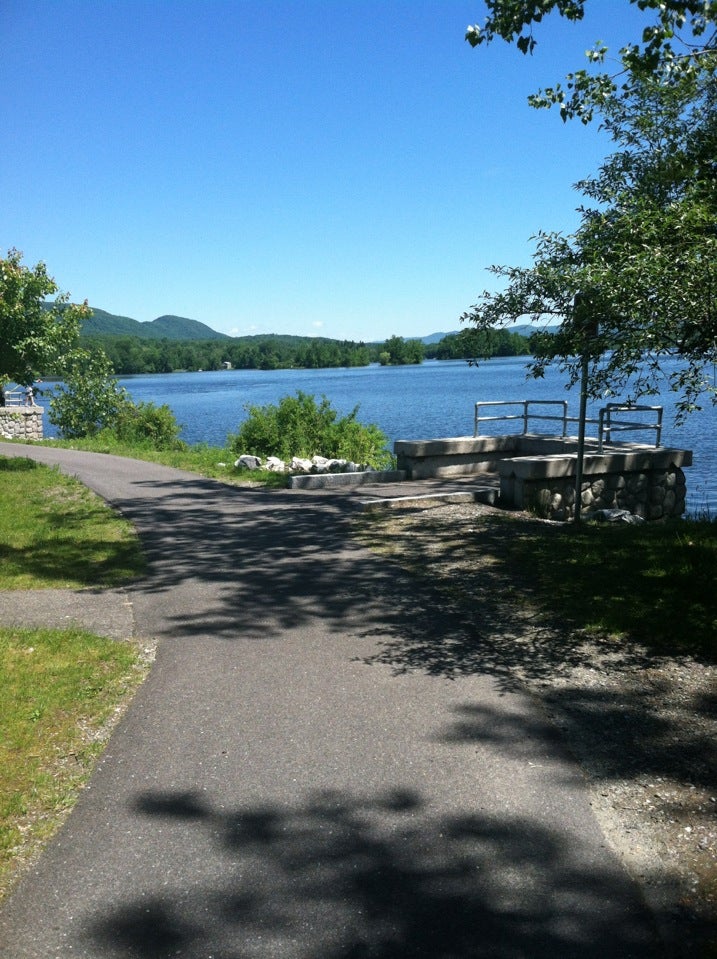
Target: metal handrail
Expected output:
[14,397]
[526,415]
[605,423]
[607,426]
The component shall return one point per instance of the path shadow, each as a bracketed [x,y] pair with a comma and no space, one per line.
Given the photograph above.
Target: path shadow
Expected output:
[341,876]
[272,561]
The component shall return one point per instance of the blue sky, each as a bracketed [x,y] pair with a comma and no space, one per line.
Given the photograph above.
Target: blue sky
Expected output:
[318,167]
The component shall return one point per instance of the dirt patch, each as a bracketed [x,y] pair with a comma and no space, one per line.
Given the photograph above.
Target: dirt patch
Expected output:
[643,727]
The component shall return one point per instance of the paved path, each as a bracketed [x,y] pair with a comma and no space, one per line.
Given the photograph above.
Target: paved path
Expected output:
[277,790]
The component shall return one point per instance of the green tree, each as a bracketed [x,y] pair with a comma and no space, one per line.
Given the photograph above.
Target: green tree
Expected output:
[89,398]
[34,335]
[636,281]
[90,401]
[473,344]
[678,42]
[146,424]
[402,352]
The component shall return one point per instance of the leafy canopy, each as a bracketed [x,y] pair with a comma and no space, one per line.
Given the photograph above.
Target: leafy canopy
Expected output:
[676,44]
[637,281]
[34,335]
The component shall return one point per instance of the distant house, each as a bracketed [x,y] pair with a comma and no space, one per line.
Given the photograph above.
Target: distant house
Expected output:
[226,365]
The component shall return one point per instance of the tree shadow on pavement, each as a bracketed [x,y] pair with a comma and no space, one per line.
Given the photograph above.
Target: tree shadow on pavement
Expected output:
[251,564]
[341,876]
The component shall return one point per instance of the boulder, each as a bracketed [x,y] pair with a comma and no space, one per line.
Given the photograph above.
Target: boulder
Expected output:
[614,516]
[247,462]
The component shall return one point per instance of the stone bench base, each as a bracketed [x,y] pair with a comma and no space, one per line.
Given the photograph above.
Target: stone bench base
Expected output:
[537,472]
[468,455]
[334,480]
[646,482]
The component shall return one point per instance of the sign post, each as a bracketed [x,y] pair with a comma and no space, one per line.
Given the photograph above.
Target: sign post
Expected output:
[587,324]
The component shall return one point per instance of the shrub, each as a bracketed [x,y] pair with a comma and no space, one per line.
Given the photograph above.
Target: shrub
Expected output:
[89,398]
[144,424]
[298,426]
[90,402]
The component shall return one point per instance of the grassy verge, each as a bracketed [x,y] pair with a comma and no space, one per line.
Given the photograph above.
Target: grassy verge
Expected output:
[214,462]
[60,690]
[57,533]
[653,583]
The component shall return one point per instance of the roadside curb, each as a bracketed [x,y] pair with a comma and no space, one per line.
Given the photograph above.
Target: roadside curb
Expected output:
[486,495]
[332,480]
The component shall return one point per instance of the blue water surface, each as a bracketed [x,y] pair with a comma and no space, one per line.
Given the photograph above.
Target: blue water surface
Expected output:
[435,399]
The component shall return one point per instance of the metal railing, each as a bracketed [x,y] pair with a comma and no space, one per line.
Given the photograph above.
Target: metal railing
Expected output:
[607,425]
[526,414]
[15,397]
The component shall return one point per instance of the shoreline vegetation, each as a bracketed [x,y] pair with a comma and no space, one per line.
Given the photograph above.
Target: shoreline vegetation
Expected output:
[132,355]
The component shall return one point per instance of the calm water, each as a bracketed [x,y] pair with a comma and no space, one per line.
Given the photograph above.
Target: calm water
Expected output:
[435,399]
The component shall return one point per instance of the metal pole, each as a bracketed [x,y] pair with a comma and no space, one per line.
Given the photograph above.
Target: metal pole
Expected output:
[581,438]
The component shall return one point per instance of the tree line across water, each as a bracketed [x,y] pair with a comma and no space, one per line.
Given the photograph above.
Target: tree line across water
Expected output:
[130,355]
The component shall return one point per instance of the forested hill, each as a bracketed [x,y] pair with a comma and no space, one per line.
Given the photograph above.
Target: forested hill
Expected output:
[174,343]
[102,323]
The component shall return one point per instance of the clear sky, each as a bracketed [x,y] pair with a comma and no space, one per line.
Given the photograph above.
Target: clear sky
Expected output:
[317,167]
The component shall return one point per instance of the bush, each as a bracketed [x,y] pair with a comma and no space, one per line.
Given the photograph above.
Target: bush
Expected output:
[89,400]
[298,426]
[144,424]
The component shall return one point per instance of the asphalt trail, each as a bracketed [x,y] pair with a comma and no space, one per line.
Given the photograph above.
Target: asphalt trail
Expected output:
[279,789]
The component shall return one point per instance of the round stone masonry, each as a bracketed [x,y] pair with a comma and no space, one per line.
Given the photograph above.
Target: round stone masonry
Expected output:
[21,422]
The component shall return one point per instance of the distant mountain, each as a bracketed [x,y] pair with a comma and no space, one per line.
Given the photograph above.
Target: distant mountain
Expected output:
[102,323]
[524,329]
[436,337]
[527,329]
[169,327]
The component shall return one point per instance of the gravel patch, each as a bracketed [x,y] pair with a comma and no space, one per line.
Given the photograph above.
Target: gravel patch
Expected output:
[643,728]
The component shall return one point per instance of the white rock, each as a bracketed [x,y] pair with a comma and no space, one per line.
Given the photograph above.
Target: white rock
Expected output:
[248,462]
[275,465]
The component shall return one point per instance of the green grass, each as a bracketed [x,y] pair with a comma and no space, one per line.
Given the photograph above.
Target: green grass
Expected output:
[58,690]
[54,532]
[654,582]
[214,462]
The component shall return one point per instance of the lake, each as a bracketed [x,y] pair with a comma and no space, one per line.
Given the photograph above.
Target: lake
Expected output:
[435,399]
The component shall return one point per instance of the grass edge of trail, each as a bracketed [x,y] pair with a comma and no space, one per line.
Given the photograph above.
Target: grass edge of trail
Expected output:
[62,693]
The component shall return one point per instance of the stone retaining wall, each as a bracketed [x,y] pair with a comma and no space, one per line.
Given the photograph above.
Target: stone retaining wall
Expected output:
[645,481]
[537,472]
[21,422]
[653,494]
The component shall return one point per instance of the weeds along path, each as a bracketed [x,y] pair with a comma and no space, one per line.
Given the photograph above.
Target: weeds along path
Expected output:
[277,790]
